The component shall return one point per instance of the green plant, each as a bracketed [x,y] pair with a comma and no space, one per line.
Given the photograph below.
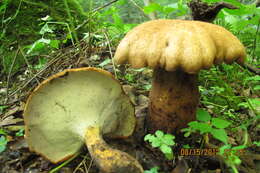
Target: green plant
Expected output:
[251,103]
[153,170]
[257,143]
[231,155]
[253,81]
[216,127]
[162,141]
[20,132]
[208,125]
[3,140]
[2,108]
[3,143]
[172,10]
[20,26]
[244,23]
[111,19]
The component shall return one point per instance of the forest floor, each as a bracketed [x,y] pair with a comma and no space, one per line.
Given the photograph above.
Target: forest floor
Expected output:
[17,158]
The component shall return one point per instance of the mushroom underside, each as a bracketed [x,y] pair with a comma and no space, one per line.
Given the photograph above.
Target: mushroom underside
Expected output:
[64,109]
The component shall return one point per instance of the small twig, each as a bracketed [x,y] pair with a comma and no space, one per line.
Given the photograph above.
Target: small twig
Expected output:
[16,13]
[94,12]
[251,68]
[90,164]
[104,6]
[140,8]
[67,25]
[63,164]
[37,4]
[12,102]
[255,40]
[67,9]
[27,63]
[42,70]
[210,103]
[79,165]
[9,76]
[111,54]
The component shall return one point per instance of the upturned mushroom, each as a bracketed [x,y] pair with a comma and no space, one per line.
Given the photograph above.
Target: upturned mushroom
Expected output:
[177,50]
[79,106]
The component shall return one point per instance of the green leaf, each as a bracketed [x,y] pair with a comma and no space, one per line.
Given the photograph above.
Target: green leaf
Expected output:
[203,115]
[129,77]
[257,143]
[159,133]
[153,7]
[2,108]
[236,160]
[193,123]
[255,102]
[45,29]
[152,170]
[254,78]
[20,132]
[220,134]
[186,146]
[3,132]
[105,62]
[168,139]
[187,134]
[223,148]
[41,63]
[3,143]
[239,147]
[256,88]
[156,143]
[203,128]
[165,149]
[147,87]
[219,123]
[55,44]
[149,137]
[38,45]
[169,156]
[168,10]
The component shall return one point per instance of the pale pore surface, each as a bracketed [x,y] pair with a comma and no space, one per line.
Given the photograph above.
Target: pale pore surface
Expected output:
[173,44]
[59,112]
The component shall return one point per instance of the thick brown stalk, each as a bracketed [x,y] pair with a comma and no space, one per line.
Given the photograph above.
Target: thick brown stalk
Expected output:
[174,98]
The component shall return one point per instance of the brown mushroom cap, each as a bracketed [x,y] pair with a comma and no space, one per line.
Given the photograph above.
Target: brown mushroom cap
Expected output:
[179,44]
[61,109]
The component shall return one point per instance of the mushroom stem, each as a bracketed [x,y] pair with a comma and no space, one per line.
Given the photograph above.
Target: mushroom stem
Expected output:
[174,98]
[109,160]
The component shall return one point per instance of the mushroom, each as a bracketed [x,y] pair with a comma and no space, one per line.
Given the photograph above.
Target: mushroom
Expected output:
[79,106]
[177,50]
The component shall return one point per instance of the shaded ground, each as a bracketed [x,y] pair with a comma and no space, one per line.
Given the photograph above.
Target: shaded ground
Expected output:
[17,158]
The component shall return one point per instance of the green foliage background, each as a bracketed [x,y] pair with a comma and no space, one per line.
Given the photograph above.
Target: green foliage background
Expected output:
[21,23]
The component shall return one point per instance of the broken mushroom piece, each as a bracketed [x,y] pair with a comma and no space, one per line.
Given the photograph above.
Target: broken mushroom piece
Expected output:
[177,50]
[79,106]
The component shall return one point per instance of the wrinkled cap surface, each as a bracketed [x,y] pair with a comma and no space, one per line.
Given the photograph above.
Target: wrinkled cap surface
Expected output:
[60,109]
[179,44]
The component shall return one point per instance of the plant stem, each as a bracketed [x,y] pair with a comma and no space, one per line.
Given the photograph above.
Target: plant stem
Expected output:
[63,164]
[234,169]
[71,21]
